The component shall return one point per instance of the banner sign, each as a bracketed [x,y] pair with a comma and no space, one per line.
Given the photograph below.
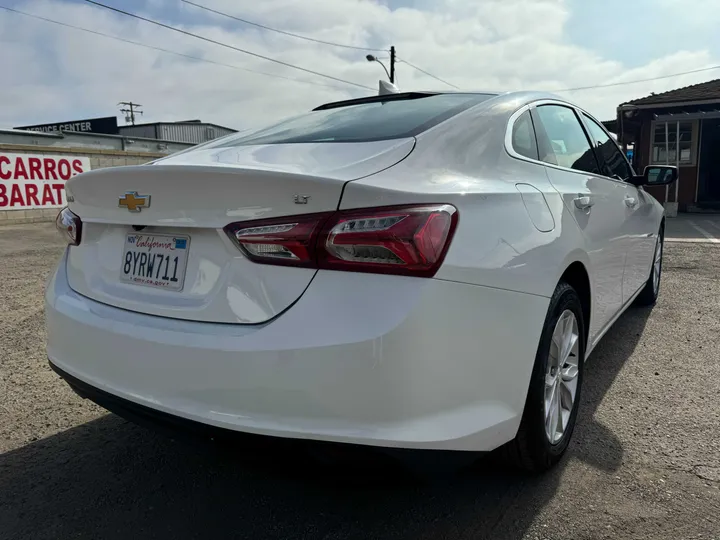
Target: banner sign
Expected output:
[32,181]
[107,125]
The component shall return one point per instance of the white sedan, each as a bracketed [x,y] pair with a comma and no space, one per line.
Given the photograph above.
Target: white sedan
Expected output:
[418,270]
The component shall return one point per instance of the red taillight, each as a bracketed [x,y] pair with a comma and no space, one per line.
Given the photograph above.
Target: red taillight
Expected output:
[286,241]
[69,226]
[409,240]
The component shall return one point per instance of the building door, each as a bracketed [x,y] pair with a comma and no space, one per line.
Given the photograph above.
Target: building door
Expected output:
[709,163]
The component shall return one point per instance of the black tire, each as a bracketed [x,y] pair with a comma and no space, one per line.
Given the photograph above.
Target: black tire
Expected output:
[649,294]
[531,450]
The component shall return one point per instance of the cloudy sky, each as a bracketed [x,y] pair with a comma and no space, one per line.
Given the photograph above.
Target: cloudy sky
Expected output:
[52,73]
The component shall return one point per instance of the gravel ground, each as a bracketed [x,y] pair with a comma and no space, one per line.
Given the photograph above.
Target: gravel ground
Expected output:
[644,463]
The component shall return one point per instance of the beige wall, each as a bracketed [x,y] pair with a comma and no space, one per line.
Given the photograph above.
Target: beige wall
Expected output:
[99,159]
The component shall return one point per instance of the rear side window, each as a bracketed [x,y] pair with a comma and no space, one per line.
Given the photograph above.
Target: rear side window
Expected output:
[562,140]
[612,161]
[523,136]
[392,119]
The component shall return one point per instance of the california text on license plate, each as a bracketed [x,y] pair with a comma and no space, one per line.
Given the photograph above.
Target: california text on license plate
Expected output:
[155,260]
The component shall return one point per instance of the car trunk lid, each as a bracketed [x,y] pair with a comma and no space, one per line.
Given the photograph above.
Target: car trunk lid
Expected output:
[165,223]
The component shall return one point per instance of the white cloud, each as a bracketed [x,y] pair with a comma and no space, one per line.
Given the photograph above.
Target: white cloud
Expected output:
[53,73]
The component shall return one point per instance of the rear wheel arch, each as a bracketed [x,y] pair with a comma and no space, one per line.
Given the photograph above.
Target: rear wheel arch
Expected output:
[576,275]
[532,449]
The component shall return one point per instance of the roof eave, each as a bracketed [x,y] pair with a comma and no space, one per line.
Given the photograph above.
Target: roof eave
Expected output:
[665,104]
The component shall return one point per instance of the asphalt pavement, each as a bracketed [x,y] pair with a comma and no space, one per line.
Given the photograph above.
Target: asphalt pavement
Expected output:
[644,462]
[694,228]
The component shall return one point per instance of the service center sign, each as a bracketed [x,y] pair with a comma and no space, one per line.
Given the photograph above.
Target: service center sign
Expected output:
[29,181]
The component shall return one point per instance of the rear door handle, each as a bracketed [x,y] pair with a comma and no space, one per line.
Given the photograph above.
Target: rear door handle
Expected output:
[631,201]
[583,202]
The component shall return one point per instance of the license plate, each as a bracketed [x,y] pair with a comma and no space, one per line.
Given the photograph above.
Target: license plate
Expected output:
[155,260]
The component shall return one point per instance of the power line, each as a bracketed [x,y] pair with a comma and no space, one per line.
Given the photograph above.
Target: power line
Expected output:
[638,80]
[428,74]
[200,59]
[578,88]
[167,51]
[331,43]
[185,32]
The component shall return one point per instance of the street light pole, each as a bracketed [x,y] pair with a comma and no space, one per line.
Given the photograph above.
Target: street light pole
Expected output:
[391,73]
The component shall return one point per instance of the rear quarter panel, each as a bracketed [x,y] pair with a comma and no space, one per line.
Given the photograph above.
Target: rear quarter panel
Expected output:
[496,243]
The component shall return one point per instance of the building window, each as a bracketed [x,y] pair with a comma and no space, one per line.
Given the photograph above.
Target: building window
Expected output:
[663,152]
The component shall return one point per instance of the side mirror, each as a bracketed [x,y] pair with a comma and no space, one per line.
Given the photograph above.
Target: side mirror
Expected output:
[656,175]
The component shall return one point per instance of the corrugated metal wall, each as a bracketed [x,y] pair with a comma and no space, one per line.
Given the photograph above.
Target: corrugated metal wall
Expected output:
[193,133]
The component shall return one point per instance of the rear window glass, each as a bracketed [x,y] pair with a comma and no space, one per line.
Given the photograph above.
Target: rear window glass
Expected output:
[393,119]
[523,137]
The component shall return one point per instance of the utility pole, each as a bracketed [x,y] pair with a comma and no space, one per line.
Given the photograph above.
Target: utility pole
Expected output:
[130,111]
[392,64]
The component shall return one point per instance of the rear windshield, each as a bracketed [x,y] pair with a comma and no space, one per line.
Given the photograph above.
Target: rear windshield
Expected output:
[393,119]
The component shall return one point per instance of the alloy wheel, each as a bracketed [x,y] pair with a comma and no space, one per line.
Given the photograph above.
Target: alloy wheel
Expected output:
[561,376]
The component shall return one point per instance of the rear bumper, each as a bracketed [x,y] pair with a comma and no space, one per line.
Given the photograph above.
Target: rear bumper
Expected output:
[137,413]
[366,359]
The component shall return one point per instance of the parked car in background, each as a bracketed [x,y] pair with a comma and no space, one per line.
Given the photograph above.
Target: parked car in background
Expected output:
[414,270]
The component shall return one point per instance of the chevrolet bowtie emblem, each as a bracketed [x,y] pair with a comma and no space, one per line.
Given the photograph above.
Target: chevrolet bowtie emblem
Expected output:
[134,202]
